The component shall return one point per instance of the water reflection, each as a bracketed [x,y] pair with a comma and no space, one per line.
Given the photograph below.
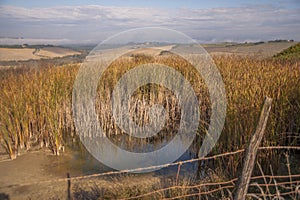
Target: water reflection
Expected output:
[78,161]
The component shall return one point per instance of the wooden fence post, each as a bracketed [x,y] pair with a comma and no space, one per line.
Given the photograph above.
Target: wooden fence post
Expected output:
[69,186]
[251,151]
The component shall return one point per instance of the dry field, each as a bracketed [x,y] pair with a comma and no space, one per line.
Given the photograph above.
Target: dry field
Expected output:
[21,54]
[251,49]
[260,50]
[154,51]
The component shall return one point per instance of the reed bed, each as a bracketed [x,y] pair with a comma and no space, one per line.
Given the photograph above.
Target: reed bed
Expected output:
[36,108]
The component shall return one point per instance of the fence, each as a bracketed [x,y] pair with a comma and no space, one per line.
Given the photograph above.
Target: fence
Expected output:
[290,183]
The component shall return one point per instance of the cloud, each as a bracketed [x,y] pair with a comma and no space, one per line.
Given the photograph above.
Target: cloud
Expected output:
[95,22]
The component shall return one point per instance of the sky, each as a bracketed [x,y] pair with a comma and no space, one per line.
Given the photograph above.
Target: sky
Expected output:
[90,21]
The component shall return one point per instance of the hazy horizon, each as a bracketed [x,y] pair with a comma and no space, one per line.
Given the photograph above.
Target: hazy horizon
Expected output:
[90,22]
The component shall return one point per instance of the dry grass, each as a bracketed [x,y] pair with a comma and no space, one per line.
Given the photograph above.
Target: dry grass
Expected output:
[36,108]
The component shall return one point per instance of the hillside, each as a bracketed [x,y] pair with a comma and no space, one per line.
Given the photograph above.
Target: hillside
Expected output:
[293,52]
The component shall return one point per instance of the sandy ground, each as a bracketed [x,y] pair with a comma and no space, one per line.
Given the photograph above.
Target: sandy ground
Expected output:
[25,169]
[13,54]
[27,177]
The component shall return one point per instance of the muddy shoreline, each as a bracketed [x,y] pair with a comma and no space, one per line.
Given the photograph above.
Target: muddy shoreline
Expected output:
[37,175]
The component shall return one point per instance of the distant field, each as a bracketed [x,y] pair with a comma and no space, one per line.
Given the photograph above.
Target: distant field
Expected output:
[154,51]
[21,54]
[16,56]
[263,50]
[251,49]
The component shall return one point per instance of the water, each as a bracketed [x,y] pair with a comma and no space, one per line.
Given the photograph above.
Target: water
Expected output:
[78,161]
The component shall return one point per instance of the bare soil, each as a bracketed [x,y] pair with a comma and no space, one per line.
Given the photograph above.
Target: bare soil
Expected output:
[41,175]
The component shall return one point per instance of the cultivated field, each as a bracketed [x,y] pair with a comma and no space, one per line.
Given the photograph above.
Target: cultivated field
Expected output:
[22,54]
[261,50]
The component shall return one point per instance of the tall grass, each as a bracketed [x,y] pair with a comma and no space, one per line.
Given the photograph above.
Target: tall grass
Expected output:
[36,103]
[247,82]
[35,108]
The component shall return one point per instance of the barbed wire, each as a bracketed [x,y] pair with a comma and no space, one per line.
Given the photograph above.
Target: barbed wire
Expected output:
[279,177]
[201,193]
[182,187]
[275,184]
[219,184]
[274,195]
[151,167]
